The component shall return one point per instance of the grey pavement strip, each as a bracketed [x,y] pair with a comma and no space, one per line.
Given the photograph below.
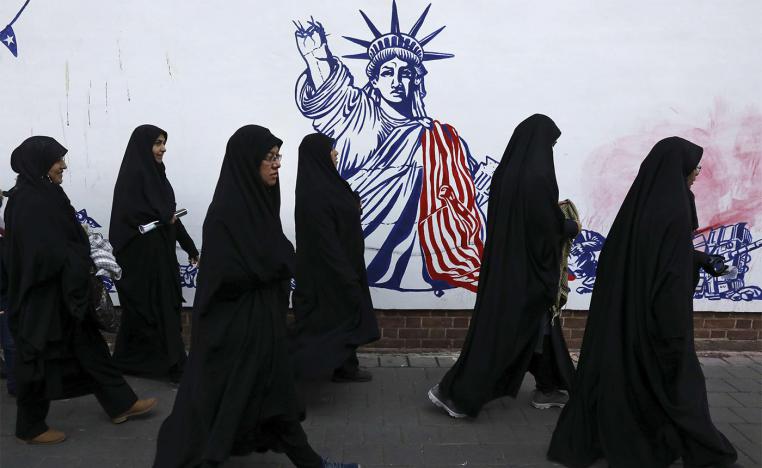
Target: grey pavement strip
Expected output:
[386,422]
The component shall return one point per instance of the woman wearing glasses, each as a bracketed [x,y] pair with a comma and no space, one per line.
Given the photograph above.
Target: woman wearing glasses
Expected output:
[639,394]
[150,340]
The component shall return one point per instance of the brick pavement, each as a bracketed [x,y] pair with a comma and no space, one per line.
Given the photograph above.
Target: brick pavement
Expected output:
[387,422]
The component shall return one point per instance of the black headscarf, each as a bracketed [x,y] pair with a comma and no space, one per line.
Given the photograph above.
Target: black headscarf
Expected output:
[316,172]
[640,396]
[519,274]
[332,303]
[238,383]
[47,251]
[523,206]
[242,234]
[142,193]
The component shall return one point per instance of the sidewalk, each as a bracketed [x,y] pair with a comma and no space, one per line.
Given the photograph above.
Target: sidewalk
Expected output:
[386,422]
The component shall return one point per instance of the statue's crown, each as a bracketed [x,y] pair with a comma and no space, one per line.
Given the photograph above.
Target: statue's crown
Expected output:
[396,39]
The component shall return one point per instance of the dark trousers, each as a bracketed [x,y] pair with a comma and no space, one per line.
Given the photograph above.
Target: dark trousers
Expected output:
[543,368]
[106,381]
[296,447]
[287,437]
[9,352]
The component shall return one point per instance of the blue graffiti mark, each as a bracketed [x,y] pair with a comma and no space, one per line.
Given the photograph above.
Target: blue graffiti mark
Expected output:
[188,275]
[83,218]
[8,36]
[583,259]
[388,150]
[108,283]
[734,243]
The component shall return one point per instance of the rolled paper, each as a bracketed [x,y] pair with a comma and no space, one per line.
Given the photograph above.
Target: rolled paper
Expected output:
[148,227]
[143,228]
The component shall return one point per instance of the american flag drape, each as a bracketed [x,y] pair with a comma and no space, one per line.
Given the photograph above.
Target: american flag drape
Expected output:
[449,225]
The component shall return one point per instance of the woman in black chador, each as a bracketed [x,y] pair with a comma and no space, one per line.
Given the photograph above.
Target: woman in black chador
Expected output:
[60,352]
[332,304]
[150,340]
[511,329]
[237,394]
[640,397]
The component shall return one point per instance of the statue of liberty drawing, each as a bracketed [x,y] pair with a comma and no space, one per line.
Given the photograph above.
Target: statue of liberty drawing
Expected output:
[421,216]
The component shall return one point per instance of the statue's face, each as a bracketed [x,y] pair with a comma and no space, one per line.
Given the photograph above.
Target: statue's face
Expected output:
[393,80]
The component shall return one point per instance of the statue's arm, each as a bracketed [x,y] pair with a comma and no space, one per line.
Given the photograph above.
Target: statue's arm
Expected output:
[313,47]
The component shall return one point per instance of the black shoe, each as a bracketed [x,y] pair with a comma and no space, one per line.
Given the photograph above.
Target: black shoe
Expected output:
[553,399]
[359,375]
[436,397]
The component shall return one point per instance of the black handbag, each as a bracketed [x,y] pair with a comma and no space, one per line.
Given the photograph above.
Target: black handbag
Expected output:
[107,316]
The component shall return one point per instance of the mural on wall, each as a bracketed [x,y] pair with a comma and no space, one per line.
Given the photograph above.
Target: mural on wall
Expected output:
[423,194]
[583,259]
[734,242]
[83,218]
[188,273]
[8,36]
[424,191]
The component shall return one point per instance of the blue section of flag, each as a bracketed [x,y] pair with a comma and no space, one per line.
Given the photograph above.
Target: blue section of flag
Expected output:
[8,38]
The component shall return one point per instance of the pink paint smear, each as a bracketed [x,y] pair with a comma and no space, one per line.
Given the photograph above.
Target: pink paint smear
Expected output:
[728,190]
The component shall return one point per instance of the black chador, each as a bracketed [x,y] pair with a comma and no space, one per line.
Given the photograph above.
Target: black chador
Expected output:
[332,304]
[511,330]
[60,351]
[640,396]
[150,341]
[237,394]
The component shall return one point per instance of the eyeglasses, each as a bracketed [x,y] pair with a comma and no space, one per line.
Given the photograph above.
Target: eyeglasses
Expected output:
[273,158]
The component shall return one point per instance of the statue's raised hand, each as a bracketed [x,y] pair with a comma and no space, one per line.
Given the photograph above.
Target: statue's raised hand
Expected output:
[311,40]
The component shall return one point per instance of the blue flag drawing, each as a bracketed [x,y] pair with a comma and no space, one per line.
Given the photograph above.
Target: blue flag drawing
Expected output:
[8,37]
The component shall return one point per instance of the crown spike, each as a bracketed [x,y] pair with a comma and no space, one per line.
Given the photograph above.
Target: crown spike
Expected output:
[371,26]
[395,18]
[417,26]
[361,42]
[436,56]
[431,36]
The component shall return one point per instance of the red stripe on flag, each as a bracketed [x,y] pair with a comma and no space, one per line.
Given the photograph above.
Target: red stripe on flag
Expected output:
[449,225]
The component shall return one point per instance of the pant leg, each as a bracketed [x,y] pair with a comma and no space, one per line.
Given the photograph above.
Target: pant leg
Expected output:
[31,407]
[9,352]
[294,443]
[113,392]
[542,367]
[351,365]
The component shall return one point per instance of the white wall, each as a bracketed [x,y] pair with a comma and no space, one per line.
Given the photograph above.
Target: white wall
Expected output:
[615,76]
